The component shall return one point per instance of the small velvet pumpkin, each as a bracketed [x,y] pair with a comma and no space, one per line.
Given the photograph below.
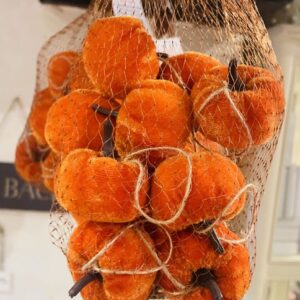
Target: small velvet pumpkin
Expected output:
[194,260]
[156,114]
[72,123]
[256,94]
[97,188]
[215,181]
[117,54]
[28,157]
[128,253]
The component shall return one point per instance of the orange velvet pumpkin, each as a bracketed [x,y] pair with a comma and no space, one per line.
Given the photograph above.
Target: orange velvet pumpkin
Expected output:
[215,181]
[187,68]
[117,54]
[256,94]
[98,188]
[157,114]
[194,260]
[28,157]
[42,102]
[72,123]
[128,253]
[58,70]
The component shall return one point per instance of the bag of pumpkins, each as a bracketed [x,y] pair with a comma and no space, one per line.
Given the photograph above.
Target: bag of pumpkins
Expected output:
[154,124]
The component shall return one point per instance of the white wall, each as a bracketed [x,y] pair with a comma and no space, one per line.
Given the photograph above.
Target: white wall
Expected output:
[38,269]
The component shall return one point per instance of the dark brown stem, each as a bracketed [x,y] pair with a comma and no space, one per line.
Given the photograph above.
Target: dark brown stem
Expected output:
[205,278]
[108,144]
[104,111]
[39,155]
[162,55]
[234,81]
[84,281]
[213,237]
[218,247]
[108,129]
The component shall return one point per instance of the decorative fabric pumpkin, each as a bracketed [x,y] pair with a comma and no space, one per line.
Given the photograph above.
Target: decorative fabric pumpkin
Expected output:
[128,252]
[256,94]
[117,54]
[156,114]
[98,188]
[216,180]
[72,123]
[187,68]
[28,159]
[59,67]
[194,262]
[43,100]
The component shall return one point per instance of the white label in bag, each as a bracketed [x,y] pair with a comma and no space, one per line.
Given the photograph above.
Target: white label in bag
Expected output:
[170,45]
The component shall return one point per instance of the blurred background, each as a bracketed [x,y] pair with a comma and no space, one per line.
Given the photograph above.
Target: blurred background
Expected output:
[32,268]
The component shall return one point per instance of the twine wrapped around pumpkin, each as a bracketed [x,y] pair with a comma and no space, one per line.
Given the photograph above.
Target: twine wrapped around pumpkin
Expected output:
[129,88]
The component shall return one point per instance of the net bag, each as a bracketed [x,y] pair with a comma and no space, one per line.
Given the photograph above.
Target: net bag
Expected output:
[154,124]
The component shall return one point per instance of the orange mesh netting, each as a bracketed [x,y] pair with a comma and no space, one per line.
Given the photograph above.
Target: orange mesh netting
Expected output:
[161,119]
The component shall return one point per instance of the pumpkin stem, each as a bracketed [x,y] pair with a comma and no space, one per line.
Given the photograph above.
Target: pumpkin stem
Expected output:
[39,155]
[104,111]
[213,237]
[162,55]
[219,248]
[205,278]
[234,81]
[108,145]
[108,129]
[84,281]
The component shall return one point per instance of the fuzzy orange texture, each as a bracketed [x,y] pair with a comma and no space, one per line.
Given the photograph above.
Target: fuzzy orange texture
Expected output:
[117,54]
[129,252]
[190,67]
[58,71]
[261,104]
[72,123]
[215,181]
[98,188]
[78,78]
[42,102]
[193,252]
[48,166]
[156,114]
[198,142]
[198,294]
[27,159]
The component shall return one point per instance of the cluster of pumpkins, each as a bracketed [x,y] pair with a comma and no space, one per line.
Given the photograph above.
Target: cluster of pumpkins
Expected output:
[112,118]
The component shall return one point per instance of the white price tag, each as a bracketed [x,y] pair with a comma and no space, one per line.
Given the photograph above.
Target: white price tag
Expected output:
[131,8]
[171,46]
[128,8]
